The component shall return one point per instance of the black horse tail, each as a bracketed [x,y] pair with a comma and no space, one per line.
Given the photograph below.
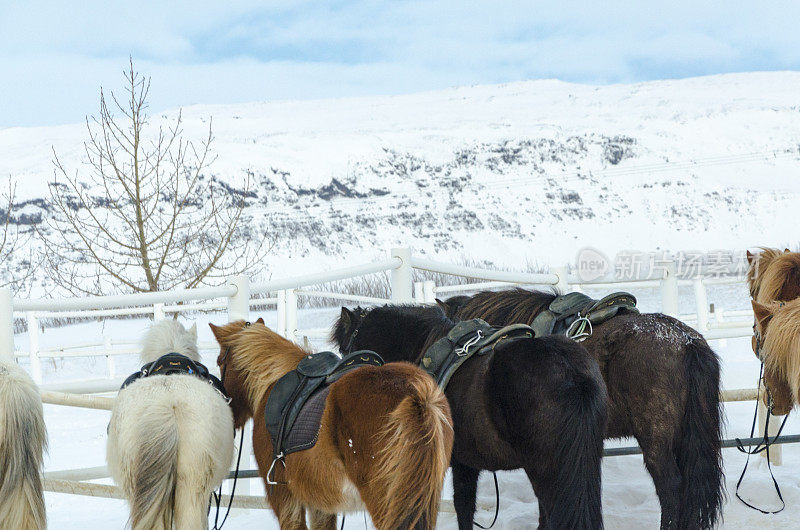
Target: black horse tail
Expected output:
[698,451]
[577,492]
[559,384]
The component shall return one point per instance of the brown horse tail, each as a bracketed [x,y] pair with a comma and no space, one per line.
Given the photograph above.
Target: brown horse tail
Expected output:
[155,473]
[22,441]
[415,455]
[697,450]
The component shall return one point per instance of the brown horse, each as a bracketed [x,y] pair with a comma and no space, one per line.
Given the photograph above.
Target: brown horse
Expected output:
[663,385]
[384,443]
[774,275]
[778,325]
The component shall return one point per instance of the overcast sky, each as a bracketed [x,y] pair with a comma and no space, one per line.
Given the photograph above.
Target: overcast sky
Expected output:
[55,55]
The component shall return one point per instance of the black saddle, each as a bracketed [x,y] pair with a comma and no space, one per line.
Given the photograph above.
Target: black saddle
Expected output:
[176,363]
[467,338]
[293,413]
[574,314]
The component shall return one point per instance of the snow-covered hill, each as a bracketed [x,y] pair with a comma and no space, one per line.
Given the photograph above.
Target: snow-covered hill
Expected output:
[514,174]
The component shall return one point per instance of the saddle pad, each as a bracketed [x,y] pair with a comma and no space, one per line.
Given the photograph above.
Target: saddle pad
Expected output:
[305,431]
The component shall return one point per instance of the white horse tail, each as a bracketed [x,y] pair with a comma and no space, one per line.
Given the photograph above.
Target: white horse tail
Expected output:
[155,472]
[23,439]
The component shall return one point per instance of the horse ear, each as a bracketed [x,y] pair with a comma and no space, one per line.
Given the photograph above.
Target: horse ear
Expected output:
[347,318]
[763,314]
[193,330]
[216,330]
[443,305]
[260,321]
[786,251]
[750,257]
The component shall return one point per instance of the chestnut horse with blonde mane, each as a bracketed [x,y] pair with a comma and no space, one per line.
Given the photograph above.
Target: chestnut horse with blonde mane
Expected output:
[774,276]
[384,442]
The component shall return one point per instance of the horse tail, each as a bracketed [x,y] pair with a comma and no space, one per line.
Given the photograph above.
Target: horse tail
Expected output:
[23,439]
[697,449]
[155,471]
[417,442]
[579,451]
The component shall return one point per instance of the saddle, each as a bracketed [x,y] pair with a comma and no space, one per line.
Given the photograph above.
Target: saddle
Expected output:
[571,314]
[176,363]
[293,413]
[467,338]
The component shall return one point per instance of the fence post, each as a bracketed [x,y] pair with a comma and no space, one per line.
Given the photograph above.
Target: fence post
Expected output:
[110,366]
[402,277]
[562,286]
[239,303]
[158,312]
[775,453]
[6,325]
[281,308]
[701,301]
[291,314]
[33,346]
[429,292]
[669,290]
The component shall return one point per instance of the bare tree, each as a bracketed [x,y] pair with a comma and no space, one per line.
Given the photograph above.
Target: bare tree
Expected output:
[141,214]
[16,266]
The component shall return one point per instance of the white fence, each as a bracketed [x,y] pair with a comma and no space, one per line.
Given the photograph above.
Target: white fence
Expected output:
[237,298]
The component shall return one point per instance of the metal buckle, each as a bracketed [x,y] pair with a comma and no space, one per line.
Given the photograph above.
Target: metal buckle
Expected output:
[464,350]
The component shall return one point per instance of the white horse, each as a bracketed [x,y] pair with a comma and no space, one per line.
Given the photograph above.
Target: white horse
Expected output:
[170,440]
[23,439]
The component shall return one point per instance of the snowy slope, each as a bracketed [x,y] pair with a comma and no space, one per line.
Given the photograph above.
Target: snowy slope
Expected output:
[516,173]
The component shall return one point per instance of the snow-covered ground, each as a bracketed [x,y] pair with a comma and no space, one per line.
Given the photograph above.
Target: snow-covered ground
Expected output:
[78,440]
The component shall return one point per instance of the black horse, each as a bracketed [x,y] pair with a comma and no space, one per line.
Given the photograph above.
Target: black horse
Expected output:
[663,386]
[534,403]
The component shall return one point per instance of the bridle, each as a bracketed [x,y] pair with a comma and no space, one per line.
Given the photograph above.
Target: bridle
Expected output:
[361,315]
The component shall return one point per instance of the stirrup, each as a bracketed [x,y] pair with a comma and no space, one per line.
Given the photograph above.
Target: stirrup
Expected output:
[464,350]
[577,330]
[278,458]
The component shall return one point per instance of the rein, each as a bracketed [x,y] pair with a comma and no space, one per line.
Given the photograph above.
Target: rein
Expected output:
[765,443]
[496,505]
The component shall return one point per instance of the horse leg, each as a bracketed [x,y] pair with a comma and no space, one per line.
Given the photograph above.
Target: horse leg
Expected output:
[288,509]
[663,468]
[465,489]
[539,492]
[321,520]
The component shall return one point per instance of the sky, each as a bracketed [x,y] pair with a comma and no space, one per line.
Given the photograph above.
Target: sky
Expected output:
[56,55]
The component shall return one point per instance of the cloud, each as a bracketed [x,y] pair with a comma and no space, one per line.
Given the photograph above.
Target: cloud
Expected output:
[54,56]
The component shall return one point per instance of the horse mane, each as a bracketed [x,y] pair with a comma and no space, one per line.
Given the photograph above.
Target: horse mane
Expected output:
[758,265]
[261,356]
[780,280]
[407,328]
[169,336]
[512,305]
[782,343]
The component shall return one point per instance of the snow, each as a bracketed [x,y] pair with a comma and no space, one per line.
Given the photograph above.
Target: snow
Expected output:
[513,174]
[77,439]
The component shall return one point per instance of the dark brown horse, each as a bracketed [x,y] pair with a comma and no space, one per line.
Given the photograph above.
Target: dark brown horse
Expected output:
[663,385]
[384,442]
[535,404]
